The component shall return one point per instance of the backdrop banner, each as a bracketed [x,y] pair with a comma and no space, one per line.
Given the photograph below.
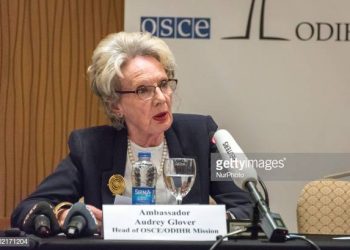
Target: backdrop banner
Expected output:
[272,72]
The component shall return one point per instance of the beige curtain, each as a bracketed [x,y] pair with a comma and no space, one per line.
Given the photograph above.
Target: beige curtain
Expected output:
[45,48]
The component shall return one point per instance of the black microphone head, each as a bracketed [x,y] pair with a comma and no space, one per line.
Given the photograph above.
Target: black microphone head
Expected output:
[80,221]
[76,226]
[41,220]
[42,225]
[72,232]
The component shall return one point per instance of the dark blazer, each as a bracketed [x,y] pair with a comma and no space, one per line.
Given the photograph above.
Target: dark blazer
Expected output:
[99,152]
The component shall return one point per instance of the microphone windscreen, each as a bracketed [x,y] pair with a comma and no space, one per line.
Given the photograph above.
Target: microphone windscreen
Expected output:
[231,151]
[80,209]
[41,208]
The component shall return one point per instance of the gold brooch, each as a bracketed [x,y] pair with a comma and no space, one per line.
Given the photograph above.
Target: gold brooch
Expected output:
[116,184]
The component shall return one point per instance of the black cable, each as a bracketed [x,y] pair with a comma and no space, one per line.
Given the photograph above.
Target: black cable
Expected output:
[266,194]
[302,237]
[221,238]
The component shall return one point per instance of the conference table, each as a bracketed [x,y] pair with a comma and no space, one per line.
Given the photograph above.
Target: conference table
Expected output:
[325,242]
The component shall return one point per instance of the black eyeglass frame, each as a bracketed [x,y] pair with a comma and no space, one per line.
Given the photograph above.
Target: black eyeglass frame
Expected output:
[136,91]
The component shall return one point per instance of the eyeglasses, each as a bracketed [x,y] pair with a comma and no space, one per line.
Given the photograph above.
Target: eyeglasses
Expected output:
[147,92]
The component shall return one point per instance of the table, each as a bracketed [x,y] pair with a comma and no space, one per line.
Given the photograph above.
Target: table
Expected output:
[60,242]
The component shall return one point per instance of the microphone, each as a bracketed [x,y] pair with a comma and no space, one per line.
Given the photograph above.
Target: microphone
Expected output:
[271,223]
[231,151]
[80,221]
[41,220]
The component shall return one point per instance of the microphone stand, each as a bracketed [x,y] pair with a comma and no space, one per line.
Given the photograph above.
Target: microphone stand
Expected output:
[271,223]
[255,223]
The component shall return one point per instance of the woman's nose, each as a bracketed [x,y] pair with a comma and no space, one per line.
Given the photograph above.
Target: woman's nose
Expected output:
[159,95]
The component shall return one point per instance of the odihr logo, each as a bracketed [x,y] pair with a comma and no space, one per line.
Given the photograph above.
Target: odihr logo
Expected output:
[177,27]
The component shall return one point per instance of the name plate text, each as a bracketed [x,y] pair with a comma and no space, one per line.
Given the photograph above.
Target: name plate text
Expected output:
[164,222]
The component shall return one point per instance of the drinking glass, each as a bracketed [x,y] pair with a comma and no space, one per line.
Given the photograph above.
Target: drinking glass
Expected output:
[179,175]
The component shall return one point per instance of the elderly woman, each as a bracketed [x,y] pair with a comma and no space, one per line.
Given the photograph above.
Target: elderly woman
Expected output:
[133,75]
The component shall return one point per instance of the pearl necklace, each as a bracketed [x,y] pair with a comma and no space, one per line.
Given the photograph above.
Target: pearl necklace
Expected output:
[162,160]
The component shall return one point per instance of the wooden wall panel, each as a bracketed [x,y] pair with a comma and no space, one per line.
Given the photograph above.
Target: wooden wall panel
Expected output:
[45,48]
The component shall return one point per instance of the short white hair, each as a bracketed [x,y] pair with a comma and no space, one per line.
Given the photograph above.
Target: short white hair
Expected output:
[112,53]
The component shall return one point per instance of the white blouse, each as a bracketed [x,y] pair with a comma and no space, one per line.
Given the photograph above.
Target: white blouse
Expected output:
[163,196]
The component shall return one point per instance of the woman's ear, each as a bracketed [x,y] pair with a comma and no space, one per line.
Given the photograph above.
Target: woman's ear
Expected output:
[117,110]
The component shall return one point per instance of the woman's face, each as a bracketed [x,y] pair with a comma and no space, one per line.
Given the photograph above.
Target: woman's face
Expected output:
[144,117]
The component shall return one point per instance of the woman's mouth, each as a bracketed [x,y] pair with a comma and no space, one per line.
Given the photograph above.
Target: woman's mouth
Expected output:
[161,117]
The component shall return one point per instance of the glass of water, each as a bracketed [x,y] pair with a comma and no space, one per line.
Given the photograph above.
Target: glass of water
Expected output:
[179,175]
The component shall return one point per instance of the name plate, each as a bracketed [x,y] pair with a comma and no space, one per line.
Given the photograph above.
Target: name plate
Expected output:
[164,222]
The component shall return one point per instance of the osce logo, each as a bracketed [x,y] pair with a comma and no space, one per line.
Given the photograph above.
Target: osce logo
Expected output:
[177,27]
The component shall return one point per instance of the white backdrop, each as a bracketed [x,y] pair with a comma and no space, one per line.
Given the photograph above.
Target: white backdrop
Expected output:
[274,96]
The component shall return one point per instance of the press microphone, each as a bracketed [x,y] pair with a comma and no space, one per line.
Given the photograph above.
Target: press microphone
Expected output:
[80,221]
[41,220]
[271,223]
[232,152]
